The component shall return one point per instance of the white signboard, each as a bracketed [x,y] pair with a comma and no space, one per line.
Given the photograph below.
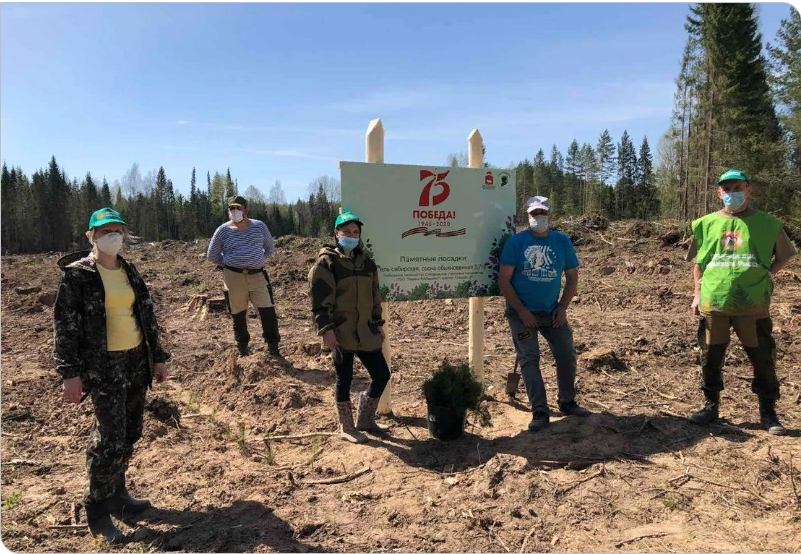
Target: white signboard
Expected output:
[435,232]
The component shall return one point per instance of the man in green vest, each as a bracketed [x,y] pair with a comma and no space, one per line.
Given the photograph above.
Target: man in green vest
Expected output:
[737,253]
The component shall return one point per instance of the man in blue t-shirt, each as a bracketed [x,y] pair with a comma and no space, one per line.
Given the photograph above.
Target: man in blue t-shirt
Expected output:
[532,263]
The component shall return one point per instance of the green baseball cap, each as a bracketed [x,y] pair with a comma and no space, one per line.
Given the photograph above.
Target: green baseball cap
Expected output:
[238,201]
[347,217]
[733,175]
[104,216]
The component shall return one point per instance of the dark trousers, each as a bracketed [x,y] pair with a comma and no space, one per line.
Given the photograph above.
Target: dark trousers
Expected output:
[119,405]
[376,366]
[756,336]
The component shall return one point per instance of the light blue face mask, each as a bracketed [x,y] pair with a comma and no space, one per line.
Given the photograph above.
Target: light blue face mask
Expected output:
[348,243]
[734,200]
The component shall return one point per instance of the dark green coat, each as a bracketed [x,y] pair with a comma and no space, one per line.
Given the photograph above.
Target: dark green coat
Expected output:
[80,319]
[344,297]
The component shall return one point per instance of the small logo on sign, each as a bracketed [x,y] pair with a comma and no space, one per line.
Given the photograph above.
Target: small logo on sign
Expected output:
[506,180]
[489,181]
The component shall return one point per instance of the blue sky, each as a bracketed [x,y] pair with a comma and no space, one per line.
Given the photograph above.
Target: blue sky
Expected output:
[283,92]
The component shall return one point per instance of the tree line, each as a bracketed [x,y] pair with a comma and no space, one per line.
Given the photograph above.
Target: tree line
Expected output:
[48,212]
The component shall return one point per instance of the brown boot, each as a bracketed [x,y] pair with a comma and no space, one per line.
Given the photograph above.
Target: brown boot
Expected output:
[346,429]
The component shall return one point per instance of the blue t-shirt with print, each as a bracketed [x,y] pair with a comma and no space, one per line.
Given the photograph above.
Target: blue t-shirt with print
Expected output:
[539,263]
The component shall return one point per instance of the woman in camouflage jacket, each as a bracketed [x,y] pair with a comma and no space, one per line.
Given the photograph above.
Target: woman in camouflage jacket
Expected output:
[107,344]
[346,306]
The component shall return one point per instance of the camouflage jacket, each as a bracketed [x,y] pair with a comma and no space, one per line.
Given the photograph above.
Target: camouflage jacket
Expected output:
[344,297]
[80,319]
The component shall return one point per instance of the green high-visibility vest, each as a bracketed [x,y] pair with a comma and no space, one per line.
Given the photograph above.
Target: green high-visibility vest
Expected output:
[735,255]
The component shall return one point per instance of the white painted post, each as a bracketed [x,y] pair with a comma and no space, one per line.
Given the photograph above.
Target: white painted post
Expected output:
[475,345]
[374,154]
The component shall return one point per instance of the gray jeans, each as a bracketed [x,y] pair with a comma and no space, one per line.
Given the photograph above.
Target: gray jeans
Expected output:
[560,340]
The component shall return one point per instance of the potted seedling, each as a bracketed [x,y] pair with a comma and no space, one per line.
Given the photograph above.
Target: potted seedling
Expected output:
[450,393]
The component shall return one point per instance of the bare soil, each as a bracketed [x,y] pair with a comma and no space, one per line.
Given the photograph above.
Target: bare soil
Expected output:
[635,476]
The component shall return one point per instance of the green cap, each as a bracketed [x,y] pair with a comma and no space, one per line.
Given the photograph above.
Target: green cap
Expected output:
[347,217]
[238,201]
[733,175]
[104,216]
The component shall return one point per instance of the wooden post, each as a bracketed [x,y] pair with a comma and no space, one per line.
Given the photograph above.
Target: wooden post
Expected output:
[374,154]
[475,345]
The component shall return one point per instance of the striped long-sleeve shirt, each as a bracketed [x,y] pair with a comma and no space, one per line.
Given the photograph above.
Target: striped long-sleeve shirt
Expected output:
[243,249]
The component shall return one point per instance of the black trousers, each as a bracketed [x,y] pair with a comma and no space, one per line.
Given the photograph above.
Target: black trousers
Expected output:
[376,366]
[757,338]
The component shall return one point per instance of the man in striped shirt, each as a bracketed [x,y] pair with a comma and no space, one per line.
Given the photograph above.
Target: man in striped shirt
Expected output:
[240,246]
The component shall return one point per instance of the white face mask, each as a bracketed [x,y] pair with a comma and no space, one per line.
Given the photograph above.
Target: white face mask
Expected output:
[539,223]
[110,244]
[236,215]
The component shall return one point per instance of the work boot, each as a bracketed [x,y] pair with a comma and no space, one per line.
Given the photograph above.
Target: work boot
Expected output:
[365,415]
[100,524]
[768,417]
[572,408]
[241,332]
[540,420]
[709,413]
[124,503]
[346,429]
[269,326]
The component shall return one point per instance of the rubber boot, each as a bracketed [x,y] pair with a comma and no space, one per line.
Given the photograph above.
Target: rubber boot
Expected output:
[709,413]
[269,325]
[346,429]
[123,502]
[241,332]
[100,524]
[365,415]
[768,417]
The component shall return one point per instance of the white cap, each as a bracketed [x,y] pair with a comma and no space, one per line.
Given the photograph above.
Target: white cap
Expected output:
[537,203]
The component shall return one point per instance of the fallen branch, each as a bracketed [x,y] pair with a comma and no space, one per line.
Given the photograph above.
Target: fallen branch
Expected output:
[604,406]
[343,479]
[525,541]
[639,537]
[672,414]
[599,473]
[663,395]
[603,239]
[301,436]
[469,470]
[792,481]
[78,526]
[19,462]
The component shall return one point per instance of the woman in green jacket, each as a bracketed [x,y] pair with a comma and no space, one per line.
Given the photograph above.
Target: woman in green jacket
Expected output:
[347,314]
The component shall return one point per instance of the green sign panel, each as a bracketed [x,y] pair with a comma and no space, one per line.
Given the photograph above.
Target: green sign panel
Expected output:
[435,232]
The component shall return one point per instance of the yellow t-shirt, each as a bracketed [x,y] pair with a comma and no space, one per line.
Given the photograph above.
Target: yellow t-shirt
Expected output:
[122,329]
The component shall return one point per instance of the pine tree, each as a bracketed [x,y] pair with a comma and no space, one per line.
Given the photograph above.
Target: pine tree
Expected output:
[735,120]
[8,199]
[230,189]
[105,194]
[571,180]
[646,198]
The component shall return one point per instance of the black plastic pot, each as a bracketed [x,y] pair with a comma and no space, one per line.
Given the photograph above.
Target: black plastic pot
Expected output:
[446,424]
